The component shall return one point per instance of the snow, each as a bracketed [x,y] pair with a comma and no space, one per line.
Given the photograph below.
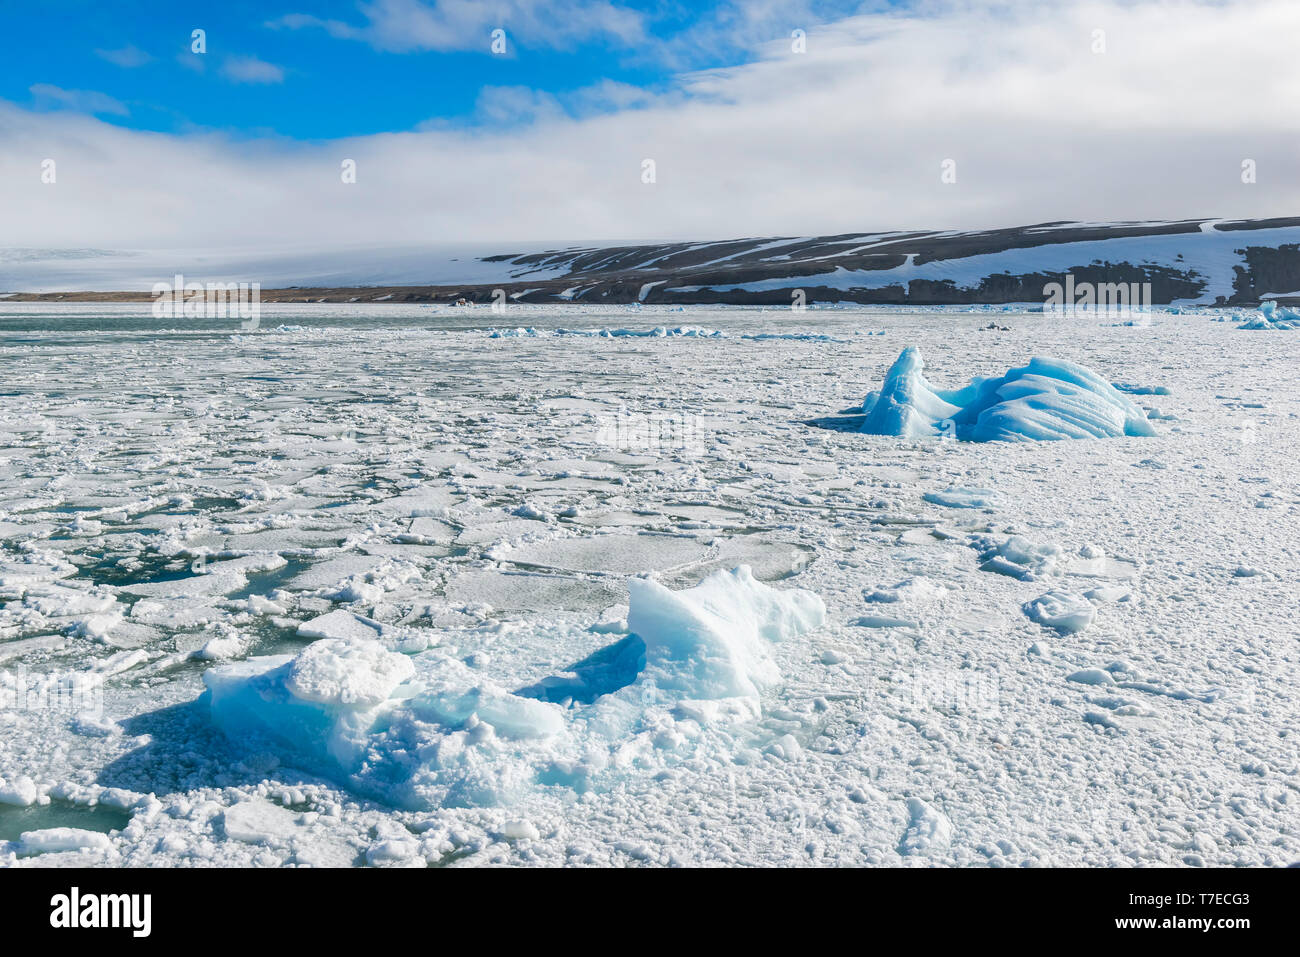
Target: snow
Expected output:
[520,830]
[1091,676]
[1046,399]
[355,674]
[95,725]
[369,472]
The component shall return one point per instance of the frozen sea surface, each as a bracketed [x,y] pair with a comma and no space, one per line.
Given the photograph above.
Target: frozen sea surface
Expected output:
[1032,653]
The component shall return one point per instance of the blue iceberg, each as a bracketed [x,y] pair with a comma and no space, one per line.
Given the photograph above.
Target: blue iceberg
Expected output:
[1046,399]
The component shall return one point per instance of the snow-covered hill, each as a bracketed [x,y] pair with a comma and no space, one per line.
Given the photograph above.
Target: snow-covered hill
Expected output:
[1193,261]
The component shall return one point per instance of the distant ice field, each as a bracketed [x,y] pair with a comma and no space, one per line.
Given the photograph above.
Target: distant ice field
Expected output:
[352,588]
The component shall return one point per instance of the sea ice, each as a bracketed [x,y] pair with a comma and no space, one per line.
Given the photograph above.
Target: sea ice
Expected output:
[711,641]
[427,731]
[1046,399]
[338,672]
[1018,557]
[659,332]
[1091,676]
[21,792]
[340,623]
[961,497]
[1270,317]
[258,822]
[929,830]
[913,589]
[605,744]
[1064,611]
[54,839]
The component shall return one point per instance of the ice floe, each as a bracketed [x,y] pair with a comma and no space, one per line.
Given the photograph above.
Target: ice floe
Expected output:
[960,497]
[56,839]
[1064,611]
[1018,557]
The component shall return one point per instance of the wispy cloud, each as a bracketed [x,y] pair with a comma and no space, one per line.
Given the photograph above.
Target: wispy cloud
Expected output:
[127,57]
[523,106]
[249,69]
[731,31]
[516,105]
[403,26]
[48,96]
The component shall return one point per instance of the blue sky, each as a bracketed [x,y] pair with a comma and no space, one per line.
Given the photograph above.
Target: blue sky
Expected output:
[320,70]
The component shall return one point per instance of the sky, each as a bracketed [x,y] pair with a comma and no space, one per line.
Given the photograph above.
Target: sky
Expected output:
[317,71]
[604,120]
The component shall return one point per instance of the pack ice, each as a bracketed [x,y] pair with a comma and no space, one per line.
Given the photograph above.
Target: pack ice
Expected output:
[426,731]
[1046,399]
[1270,317]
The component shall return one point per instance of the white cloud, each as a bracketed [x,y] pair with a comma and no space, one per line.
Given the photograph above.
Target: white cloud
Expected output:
[49,96]
[846,137]
[403,26]
[249,69]
[126,57]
